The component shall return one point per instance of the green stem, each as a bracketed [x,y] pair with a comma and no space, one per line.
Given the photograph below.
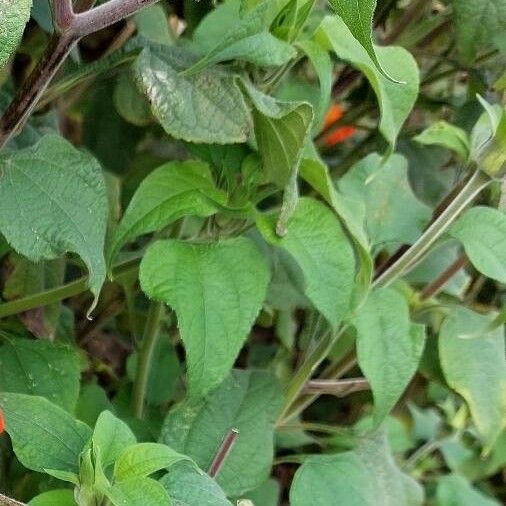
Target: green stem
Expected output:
[151,332]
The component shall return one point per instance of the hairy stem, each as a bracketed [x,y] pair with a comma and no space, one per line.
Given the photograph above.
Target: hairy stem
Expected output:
[149,340]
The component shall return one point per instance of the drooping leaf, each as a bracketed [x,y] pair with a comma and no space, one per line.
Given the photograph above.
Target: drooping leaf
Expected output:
[476,368]
[396,99]
[394,215]
[486,249]
[63,497]
[449,136]
[189,486]
[316,240]
[138,492]
[215,299]
[206,107]
[40,368]
[14,15]
[248,401]
[67,208]
[43,435]
[455,490]
[111,435]
[281,129]
[174,190]
[389,347]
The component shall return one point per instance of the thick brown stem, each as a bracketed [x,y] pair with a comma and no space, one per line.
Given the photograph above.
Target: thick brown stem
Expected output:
[63,15]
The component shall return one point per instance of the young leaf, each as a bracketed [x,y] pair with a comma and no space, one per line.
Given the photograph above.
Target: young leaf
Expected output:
[14,15]
[396,99]
[43,435]
[358,16]
[215,298]
[111,435]
[138,492]
[40,368]
[394,215]
[389,347]
[476,369]
[446,135]
[63,497]
[455,490]
[189,486]
[281,128]
[316,240]
[206,107]
[170,192]
[67,207]
[486,249]
[249,401]
[142,459]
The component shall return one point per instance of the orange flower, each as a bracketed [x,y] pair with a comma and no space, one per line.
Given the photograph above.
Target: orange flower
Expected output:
[339,135]
[335,113]
[2,422]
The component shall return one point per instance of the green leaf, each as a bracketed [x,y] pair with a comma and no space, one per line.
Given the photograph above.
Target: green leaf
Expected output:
[316,240]
[43,435]
[482,231]
[249,401]
[130,103]
[215,299]
[268,494]
[449,136]
[189,486]
[14,15]
[174,190]
[142,459]
[111,435]
[358,17]
[64,497]
[476,369]
[281,129]
[66,209]
[351,212]
[396,99]
[152,24]
[455,490]
[394,216]
[206,107]
[138,492]
[476,25]
[248,40]
[389,347]
[40,368]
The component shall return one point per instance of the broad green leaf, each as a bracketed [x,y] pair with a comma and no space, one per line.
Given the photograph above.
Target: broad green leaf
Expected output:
[189,486]
[281,129]
[138,492]
[476,369]
[358,17]
[215,298]
[111,435]
[476,25]
[482,231]
[389,347]
[396,99]
[14,15]
[67,208]
[143,459]
[64,497]
[206,107]
[43,435]
[40,368]
[394,216]
[248,401]
[91,402]
[152,24]
[249,40]
[268,494]
[449,136]
[174,190]
[455,490]
[316,240]
[351,212]
[130,103]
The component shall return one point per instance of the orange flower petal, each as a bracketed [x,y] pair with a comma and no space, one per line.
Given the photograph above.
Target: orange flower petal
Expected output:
[335,113]
[2,422]
[340,135]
